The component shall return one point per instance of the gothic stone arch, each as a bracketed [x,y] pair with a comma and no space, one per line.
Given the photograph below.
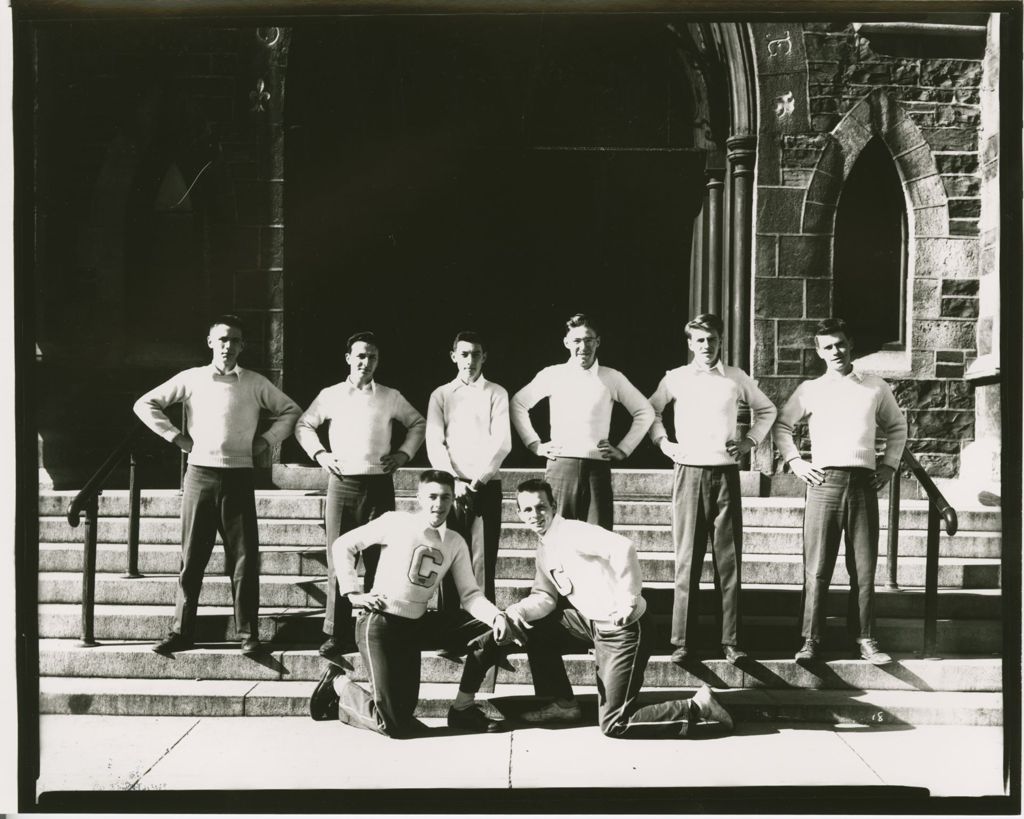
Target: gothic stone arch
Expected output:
[879,114]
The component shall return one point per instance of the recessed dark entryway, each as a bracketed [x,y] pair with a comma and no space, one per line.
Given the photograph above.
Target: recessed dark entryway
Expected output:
[496,174]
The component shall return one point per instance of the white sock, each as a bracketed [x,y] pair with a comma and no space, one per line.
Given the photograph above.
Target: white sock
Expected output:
[463,700]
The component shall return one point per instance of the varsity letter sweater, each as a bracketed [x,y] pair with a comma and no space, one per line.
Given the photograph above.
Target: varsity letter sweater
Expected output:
[596,570]
[414,557]
[221,413]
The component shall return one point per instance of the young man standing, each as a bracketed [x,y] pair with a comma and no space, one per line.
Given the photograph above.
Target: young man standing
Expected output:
[846,411]
[221,408]
[706,498]
[581,394]
[468,435]
[394,626]
[359,462]
[596,573]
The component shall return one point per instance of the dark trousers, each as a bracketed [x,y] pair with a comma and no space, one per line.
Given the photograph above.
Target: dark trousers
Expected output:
[583,489]
[846,503]
[352,500]
[390,647]
[706,504]
[621,656]
[219,500]
[484,506]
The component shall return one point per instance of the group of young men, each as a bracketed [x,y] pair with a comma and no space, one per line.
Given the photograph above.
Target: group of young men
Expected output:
[588,580]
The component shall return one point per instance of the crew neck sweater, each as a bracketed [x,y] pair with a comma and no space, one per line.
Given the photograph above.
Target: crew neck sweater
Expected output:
[414,557]
[222,412]
[581,408]
[360,432]
[706,405]
[845,415]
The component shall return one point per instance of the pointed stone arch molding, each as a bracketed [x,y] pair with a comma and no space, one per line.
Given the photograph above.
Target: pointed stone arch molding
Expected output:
[878,114]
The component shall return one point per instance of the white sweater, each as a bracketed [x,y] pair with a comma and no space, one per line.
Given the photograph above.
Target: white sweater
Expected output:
[413,558]
[596,570]
[468,432]
[360,430]
[581,408]
[221,413]
[706,405]
[845,414]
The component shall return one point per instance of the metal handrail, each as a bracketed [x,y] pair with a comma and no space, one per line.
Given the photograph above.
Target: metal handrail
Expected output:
[87,502]
[939,509]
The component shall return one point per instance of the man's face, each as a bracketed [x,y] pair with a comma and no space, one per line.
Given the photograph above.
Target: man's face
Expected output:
[836,350]
[535,510]
[469,358]
[362,362]
[226,343]
[582,344]
[706,346]
[435,500]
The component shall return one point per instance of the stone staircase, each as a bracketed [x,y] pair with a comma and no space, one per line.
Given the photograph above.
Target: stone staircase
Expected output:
[122,676]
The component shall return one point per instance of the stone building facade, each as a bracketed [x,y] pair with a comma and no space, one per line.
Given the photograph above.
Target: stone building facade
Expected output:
[192,117]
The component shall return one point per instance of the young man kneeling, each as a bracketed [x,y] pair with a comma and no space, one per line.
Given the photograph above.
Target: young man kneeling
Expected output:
[394,626]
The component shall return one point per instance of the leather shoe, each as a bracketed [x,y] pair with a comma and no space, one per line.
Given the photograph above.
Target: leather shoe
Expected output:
[711,708]
[808,651]
[870,651]
[553,712]
[323,704]
[251,646]
[734,654]
[171,643]
[330,649]
[681,655]
[474,719]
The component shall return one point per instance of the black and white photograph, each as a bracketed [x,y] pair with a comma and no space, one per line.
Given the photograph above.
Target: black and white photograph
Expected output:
[447,406]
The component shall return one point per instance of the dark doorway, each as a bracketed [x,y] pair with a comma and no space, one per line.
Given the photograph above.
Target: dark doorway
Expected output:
[493,174]
[870,252]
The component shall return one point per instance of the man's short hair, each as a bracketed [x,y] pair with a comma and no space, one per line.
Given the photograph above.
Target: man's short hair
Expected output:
[365,336]
[538,485]
[581,320]
[470,337]
[708,322]
[437,476]
[832,327]
[228,320]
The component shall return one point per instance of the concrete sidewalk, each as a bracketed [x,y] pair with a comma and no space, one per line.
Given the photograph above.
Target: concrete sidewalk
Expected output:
[103,753]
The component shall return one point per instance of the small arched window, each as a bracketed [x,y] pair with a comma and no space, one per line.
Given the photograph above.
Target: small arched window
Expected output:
[870,264]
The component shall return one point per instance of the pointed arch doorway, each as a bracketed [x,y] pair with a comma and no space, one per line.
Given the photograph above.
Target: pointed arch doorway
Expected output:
[500,173]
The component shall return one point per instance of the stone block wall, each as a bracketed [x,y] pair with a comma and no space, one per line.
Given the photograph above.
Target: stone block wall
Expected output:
[927,112]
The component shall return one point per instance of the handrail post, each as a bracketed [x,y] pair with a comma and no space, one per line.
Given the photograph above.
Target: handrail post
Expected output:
[89,571]
[134,511]
[931,583]
[892,555]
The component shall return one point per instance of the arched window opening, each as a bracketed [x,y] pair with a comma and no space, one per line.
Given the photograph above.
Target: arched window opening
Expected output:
[870,267]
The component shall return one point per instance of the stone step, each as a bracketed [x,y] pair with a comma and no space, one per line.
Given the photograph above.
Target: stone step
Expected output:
[65,658]
[300,505]
[515,536]
[954,572]
[284,591]
[291,625]
[170,697]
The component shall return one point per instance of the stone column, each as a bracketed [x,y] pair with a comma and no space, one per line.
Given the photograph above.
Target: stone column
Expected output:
[741,165]
[980,460]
